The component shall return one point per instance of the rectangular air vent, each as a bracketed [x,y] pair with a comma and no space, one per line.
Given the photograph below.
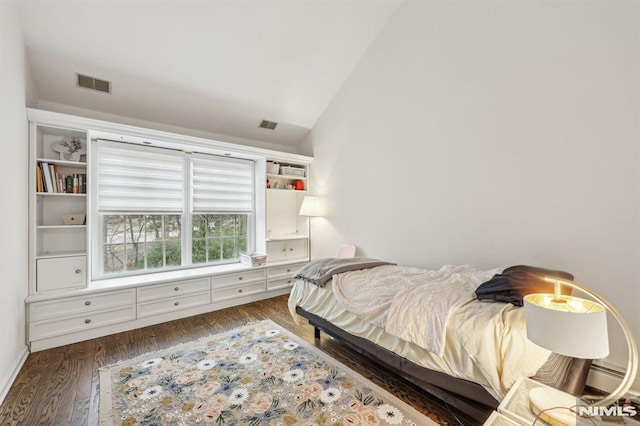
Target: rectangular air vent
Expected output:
[271,125]
[94,83]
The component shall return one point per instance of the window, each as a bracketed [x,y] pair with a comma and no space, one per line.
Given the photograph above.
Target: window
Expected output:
[218,238]
[146,199]
[139,242]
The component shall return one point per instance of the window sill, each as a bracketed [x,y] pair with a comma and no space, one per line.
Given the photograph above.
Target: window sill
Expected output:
[122,283]
[161,277]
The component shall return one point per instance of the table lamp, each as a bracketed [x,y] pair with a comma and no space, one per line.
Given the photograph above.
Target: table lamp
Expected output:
[574,327]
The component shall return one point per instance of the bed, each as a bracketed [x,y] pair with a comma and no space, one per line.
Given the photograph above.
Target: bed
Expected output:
[475,352]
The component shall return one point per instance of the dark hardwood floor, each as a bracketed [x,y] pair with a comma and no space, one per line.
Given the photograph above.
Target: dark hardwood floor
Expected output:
[60,386]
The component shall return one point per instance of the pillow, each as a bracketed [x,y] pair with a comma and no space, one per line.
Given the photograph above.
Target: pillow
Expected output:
[516,282]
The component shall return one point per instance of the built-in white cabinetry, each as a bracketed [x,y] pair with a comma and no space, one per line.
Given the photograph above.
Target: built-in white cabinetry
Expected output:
[279,277]
[287,249]
[60,272]
[244,283]
[73,316]
[64,306]
[59,317]
[58,245]
[287,231]
[173,296]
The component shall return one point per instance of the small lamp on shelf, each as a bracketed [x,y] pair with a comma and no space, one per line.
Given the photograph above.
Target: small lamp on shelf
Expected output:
[574,327]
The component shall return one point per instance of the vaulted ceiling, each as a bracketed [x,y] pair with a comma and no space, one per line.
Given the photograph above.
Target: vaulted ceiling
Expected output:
[218,66]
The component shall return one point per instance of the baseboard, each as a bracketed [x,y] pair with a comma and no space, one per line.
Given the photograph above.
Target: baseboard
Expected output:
[7,381]
[607,378]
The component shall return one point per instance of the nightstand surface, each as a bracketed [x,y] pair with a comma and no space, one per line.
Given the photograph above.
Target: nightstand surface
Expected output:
[516,404]
[515,409]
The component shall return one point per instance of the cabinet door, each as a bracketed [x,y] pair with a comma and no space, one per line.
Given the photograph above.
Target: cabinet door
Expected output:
[276,251]
[61,272]
[297,249]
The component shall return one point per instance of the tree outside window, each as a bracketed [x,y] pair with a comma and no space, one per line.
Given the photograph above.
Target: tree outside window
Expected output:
[218,238]
[139,242]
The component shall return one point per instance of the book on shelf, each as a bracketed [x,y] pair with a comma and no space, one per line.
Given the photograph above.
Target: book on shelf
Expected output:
[50,180]
[52,173]
[43,180]
[39,187]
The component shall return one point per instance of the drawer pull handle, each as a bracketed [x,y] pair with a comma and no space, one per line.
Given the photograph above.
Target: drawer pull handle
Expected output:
[240,290]
[291,249]
[78,271]
[177,303]
[288,270]
[289,282]
[176,288]
[240,278]
[87,321]
[87,303]
[284,249]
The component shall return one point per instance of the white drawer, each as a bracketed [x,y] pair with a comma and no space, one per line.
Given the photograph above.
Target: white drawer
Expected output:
[82,304]
[176,303]
[237,291]
[50,328]
[276,284]
[61,272]
[178,288]
[284,270]
[222,281]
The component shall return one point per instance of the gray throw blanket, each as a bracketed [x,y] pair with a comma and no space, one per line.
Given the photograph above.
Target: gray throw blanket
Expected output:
[320,271]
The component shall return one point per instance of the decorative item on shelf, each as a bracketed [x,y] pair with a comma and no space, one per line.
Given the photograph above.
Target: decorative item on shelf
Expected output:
[273,168]
[292,171]
[268,184]
[70,149]
[298,185]
[574,327]
[73,219]
[253,259]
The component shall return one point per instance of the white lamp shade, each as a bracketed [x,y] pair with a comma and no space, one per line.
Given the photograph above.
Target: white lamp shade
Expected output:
[567,325]
[311,206]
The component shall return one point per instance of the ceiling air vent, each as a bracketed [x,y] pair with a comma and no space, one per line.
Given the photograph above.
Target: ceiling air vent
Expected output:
[94,83]
[266,124]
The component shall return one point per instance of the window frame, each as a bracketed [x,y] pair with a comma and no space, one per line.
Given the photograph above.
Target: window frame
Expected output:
[96,242]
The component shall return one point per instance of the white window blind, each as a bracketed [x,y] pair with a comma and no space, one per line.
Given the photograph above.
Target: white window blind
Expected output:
[221,184]
[139,179]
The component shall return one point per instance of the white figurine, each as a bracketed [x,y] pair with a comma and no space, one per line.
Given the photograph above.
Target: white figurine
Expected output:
[70,150]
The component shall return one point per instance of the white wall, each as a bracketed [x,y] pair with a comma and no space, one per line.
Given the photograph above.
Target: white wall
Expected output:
[16,91]
[492,133]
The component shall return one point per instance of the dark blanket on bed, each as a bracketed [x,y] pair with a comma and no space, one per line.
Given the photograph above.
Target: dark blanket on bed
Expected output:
[320,271]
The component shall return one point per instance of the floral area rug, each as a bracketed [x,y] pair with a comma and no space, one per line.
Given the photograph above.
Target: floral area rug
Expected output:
[260,374]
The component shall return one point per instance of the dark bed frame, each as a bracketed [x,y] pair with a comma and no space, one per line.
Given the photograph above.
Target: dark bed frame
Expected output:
[468,397]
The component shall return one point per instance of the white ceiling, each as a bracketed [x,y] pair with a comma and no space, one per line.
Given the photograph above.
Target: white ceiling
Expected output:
[213,65]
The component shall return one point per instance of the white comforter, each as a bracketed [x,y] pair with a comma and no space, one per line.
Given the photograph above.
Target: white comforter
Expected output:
[409,303]
[484,342]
